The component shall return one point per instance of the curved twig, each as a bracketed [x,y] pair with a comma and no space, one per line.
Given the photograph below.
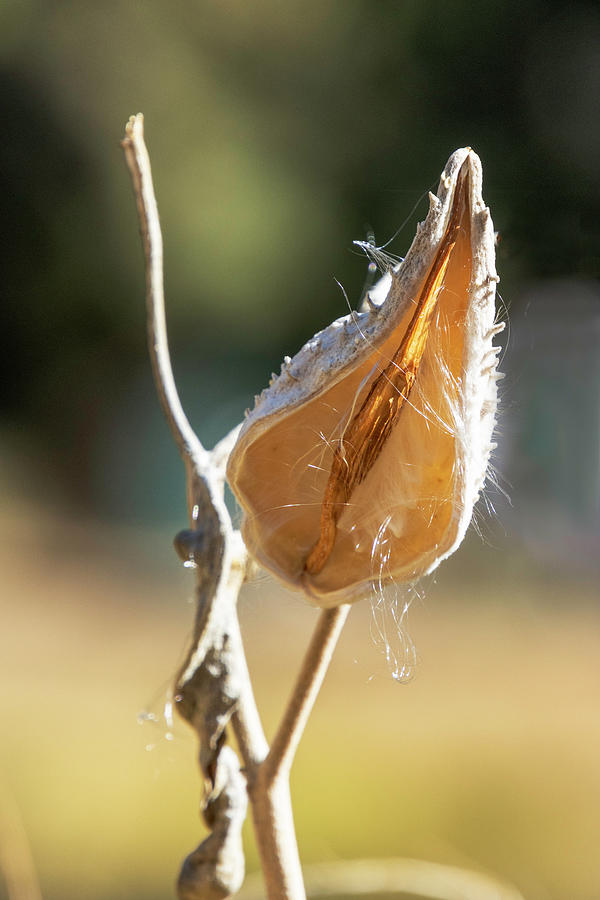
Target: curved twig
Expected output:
[213,687]
[213,681]
[138,162]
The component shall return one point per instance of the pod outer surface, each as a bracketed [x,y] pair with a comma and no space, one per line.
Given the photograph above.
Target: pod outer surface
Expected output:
[411,505]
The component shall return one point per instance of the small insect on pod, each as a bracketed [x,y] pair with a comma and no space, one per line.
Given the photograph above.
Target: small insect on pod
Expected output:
[362,461]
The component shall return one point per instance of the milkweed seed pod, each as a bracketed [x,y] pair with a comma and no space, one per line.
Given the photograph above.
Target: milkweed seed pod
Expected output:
[361,462]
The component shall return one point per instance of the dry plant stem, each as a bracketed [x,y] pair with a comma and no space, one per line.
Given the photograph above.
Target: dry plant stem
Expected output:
[209,685]
[138,162]
[269,785]
[276,841]
[268,781]
[304,694]
[199,466]
[213,685]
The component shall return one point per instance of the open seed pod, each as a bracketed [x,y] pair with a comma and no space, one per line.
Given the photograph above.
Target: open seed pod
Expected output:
[362,461]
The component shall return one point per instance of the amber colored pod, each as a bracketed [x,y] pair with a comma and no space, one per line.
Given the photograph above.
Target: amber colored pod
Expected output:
[361,462]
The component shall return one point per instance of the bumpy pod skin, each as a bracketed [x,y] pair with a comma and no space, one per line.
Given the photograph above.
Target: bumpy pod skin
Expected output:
[412,504]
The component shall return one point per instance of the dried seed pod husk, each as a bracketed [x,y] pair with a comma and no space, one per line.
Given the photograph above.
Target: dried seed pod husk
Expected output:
[361,462]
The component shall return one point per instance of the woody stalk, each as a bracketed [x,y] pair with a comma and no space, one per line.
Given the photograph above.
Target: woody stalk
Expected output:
[213,691]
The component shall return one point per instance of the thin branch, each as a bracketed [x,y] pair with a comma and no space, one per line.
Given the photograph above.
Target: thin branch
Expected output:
[214,680]
[245,720]
[273,819]
[213,686]
[306,689]
[138,161]
[269,783]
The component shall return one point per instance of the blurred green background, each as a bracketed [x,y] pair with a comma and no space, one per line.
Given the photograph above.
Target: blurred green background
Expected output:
[279,133]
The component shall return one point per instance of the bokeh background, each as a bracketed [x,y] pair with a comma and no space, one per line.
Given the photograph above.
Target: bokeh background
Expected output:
[279,133]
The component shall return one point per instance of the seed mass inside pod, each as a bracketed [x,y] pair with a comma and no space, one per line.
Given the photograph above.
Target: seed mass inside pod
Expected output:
[372,477]
[368,430]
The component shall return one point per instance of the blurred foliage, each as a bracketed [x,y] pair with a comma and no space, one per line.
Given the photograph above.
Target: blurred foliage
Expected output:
[278,134]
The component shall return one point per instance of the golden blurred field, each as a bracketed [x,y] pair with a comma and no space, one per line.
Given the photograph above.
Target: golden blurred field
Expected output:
[487,759]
